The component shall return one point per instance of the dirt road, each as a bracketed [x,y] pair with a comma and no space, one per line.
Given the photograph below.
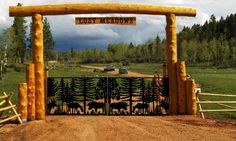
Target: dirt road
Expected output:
[130,73]
[119,128]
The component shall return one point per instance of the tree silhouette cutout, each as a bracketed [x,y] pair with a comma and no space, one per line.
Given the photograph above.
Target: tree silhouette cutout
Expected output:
[130,87]
[52,91]
[85,90]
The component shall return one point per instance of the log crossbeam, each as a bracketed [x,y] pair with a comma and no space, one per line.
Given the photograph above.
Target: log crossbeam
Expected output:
[23,11]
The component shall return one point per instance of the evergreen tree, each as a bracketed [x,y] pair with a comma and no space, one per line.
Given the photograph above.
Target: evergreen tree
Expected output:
[7,46]
[130,88]
[48,40]
[30,40]
[20,36]
[85,90]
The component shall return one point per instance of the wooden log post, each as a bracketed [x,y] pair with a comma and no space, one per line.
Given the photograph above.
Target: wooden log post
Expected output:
[31,91]
[22,101]
[171,48]
[181,77]
[46,87]
[191,97]
[39,66]
[156,84]
[165,70]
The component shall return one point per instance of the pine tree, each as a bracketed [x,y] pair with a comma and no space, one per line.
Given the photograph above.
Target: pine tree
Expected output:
[85,90]
[48,40]
[20,36]
[6,45]
[130,88]
[30,40]
[61,96]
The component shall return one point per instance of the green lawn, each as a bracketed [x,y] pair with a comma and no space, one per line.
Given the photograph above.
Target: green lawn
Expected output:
[144,68]
[10,82]
[62,71]
[215,80]
[211,80]
[12,78]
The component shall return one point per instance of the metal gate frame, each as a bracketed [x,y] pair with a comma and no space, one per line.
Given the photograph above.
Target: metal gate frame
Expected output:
[124,94]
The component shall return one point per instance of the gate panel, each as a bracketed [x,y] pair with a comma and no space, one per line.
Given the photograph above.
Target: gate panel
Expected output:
[104,96]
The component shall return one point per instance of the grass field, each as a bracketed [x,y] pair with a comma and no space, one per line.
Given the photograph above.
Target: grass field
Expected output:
[10,81]
[211,80]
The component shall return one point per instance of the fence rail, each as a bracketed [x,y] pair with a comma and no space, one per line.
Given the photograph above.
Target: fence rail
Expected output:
[219,110]
[222,103]
[5,105]
[216,102]
[211,94]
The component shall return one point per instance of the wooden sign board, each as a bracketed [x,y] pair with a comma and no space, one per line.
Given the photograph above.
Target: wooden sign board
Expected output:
[106,20]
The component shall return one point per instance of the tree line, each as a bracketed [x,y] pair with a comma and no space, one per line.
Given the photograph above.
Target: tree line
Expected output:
[118,52]
[213,44]
[16,44]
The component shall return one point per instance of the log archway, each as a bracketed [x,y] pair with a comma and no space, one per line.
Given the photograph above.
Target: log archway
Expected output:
[36,12]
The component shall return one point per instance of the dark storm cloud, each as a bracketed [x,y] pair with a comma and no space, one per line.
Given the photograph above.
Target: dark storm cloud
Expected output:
[68,35]
[80,43]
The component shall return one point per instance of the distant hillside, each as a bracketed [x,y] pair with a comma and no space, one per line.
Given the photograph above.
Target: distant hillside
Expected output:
[213,42]
[211,29]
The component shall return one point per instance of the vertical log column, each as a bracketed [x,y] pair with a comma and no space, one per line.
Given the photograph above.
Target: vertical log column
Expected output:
[181,77]
[165,71]
[39,66]
[46,86]
[191,97]
[171,51]
[22,98]
[31,91]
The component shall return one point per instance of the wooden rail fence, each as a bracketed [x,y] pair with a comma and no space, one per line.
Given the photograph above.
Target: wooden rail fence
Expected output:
[222,103]
[5,105]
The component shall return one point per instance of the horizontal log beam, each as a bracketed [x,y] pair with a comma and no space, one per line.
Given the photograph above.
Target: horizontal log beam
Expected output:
[9,118]
[14,110]
[210,94]
[7,108]
[228,106]
[216,102]
[219,110]
[4,97]
[22,11]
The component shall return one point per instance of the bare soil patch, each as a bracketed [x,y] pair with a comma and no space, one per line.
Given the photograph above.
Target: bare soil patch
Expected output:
[130,73]
[119,128]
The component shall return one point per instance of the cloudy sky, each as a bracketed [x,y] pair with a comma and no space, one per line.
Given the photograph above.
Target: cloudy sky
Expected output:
[68,35]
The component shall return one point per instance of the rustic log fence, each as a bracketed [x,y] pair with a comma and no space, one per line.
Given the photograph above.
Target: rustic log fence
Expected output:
[6,105]
[222,103]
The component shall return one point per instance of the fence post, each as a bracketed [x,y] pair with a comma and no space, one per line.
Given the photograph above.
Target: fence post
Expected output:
[171,51]
[39,66]
[165,70]
[199,105]
[22,98]
[181,77]
[46,87]
[1,69]
[191,97]
[31,91]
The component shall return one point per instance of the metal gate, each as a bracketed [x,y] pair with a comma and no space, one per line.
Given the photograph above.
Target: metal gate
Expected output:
[106,95]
